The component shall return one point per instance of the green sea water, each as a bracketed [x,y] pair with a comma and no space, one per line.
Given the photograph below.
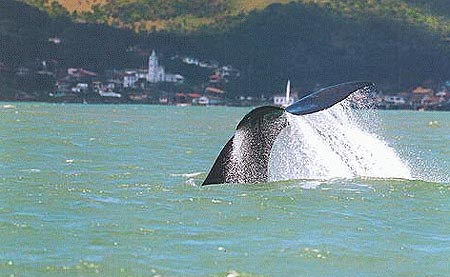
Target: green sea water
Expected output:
[113,190]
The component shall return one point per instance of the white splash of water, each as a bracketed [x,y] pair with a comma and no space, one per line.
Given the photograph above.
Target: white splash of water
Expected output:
[237,166]
[333,143]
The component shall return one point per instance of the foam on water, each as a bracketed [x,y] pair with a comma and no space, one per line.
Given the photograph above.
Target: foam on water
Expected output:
[334,143]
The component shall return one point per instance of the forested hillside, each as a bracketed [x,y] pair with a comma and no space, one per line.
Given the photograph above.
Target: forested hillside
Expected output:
[398,44]
[314,45]
[192,15]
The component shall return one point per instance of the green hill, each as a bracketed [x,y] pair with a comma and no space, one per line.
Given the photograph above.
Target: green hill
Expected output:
[25,42]
[397,44]
[311,45]
[192,15]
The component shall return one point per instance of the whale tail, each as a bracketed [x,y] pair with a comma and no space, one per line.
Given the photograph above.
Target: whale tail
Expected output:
[253,139]
[245,157]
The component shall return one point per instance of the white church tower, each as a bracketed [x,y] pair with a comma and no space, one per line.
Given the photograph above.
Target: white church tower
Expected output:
[155,71]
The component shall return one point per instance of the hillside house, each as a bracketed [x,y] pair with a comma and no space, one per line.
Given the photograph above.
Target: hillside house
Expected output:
[423,91]
[174,78]
[80,73]
[395,100]
[431,100]
[129,79]
[80,88]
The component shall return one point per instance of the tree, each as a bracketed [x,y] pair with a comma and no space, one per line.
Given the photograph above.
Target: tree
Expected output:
[57,10]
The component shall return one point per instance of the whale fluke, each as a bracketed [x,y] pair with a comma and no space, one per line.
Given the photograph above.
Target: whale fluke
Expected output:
[245,157]
[325,98]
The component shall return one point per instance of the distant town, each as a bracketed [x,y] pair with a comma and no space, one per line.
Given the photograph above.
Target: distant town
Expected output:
[152,85]
[155,85]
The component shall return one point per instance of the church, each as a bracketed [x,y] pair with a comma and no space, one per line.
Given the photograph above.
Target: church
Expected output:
[156,73]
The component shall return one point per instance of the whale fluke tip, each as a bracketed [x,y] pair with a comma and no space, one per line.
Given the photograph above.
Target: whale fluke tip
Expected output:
[325,98]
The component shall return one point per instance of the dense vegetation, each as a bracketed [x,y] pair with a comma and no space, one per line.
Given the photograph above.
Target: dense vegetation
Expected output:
[25,32]
[192,15]
[312,45]
[24,42]
[398,44]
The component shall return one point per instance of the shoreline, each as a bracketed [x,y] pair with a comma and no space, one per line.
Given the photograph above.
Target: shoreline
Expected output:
[442,108]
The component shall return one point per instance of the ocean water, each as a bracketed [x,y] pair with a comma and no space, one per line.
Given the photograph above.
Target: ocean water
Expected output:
[113,190]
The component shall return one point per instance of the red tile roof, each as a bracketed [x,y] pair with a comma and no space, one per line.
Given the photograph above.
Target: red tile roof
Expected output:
[194,95]
[215,90]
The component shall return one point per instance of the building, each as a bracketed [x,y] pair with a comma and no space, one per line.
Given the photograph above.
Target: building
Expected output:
[156,73]
[80,88]
[393,99]
[174,78]
[280,100]
[129,79]
[214,91]
[423,91]
[55,40]
[80,73]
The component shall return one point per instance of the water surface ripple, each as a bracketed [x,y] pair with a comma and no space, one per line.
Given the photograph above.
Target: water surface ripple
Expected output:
[112,190]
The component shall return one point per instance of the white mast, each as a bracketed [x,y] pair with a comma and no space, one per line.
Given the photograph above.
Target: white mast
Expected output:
[288,92]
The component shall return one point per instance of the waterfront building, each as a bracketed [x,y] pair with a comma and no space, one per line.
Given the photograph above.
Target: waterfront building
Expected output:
[282,101]
[129,79]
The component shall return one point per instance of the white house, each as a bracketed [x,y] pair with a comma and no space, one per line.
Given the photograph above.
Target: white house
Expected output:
[129,79]
[189,60]
[109,94]
[280,100]
[203,100]
[174,78]
[80,87]
[394,99]
[55,40]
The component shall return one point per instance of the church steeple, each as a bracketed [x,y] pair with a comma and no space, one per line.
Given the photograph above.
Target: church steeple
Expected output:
[153,59]
[155,71]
